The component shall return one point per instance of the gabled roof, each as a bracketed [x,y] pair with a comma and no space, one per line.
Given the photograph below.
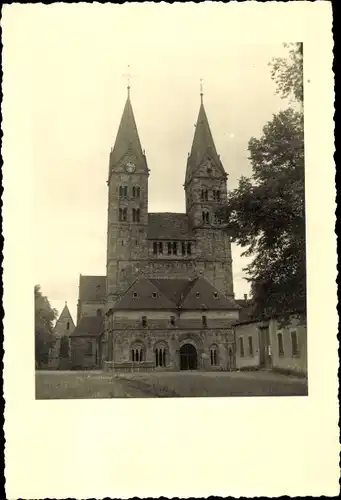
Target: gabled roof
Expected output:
[127,139]
[202,147]
[169,226]
[64,318]
[91,326]
[203,295]
[170,293]
[92,288]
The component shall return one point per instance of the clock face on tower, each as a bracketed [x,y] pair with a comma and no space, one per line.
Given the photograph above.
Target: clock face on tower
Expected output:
[130,167]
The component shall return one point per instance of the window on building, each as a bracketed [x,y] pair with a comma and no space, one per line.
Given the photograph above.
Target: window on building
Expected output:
[169,248]
[125,191]
[134,214]
[294,344]
[134,192]
[160,356]
[280,344]
[175,248]
[121,191]
[124,214]
[215,294]
[197,295]
[160,247]
[172,320]
[120,214]
[203,217]
[135,295]
[144,321]
[206,195]
[202,195]
[250,346]
[137,354]
[214,356]
[204,321]
[138,191]
[241,347]
[207,218]
[154,295]
[183,248]
[68,325]
[189,248]
[154,248]
[218,195]
[138,215]
[99,312]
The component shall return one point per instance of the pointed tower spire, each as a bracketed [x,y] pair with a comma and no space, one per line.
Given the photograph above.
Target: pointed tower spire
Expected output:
[127,139]
[203,145]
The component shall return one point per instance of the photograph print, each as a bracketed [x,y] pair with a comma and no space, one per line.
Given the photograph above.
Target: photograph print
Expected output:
[176,200]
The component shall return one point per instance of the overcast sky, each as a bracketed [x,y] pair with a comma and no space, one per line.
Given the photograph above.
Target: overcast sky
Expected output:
[76,56]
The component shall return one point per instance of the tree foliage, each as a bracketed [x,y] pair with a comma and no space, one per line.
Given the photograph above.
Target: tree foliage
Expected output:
[266,214]
[44,318]
[287,72]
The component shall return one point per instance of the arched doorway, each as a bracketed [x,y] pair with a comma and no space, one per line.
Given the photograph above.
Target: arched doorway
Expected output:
[188,357]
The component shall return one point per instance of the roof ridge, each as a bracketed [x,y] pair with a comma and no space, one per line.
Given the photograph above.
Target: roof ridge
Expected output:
[189,287]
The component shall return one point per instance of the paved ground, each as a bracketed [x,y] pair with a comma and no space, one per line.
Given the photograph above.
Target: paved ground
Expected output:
[85,385]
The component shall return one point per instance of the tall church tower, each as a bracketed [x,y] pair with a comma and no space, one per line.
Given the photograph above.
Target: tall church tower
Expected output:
[127,249]
[206,189]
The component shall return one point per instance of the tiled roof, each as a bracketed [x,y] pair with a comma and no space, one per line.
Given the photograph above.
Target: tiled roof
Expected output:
[168,293]
[169,226]
[247,309]
[92,288]
[91,326]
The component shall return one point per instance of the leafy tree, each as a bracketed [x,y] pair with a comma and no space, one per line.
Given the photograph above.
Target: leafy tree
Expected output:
[288,72]
[44,318]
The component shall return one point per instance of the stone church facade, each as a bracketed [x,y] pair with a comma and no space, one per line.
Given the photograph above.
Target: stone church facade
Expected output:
[167,299]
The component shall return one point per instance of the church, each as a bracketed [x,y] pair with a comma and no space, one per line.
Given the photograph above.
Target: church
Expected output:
[167,300]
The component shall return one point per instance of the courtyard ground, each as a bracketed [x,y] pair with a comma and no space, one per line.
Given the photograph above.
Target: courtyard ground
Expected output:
[97,384]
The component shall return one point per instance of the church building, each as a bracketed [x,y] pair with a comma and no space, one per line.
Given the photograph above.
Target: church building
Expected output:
[167,300]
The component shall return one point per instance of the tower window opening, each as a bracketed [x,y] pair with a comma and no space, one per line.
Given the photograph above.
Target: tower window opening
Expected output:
[138,218]
[134,214]
[183,248]
[189,248]
[124,214]
[138,192]
[206,195]
[215,295]
[169,248]
[134,192]
[125,191]
[135,295]
[154,295]
[154,248]
[68,325]
[121,191]
[175,248]
[160,247]
[202,195]
[197,294]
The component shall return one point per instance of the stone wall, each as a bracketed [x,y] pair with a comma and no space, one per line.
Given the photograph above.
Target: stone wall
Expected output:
[288,361]
[84,353]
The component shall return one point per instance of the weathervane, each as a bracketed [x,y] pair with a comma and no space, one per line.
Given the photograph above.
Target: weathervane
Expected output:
[128,76]
[201,89]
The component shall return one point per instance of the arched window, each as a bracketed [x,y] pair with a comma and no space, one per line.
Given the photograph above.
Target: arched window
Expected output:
[160,356]
[125,191]
[138,192]
[68,325]
[189,248]
[160,247]
[175,248]
[134,215]
[154,248]
[206,217]
[123,214]
[183,248]
[137,215]
[206,195]
[121,191]
[214,355]
[134,192]
[203,217]
[169,248]
[137,353]
[202,195]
